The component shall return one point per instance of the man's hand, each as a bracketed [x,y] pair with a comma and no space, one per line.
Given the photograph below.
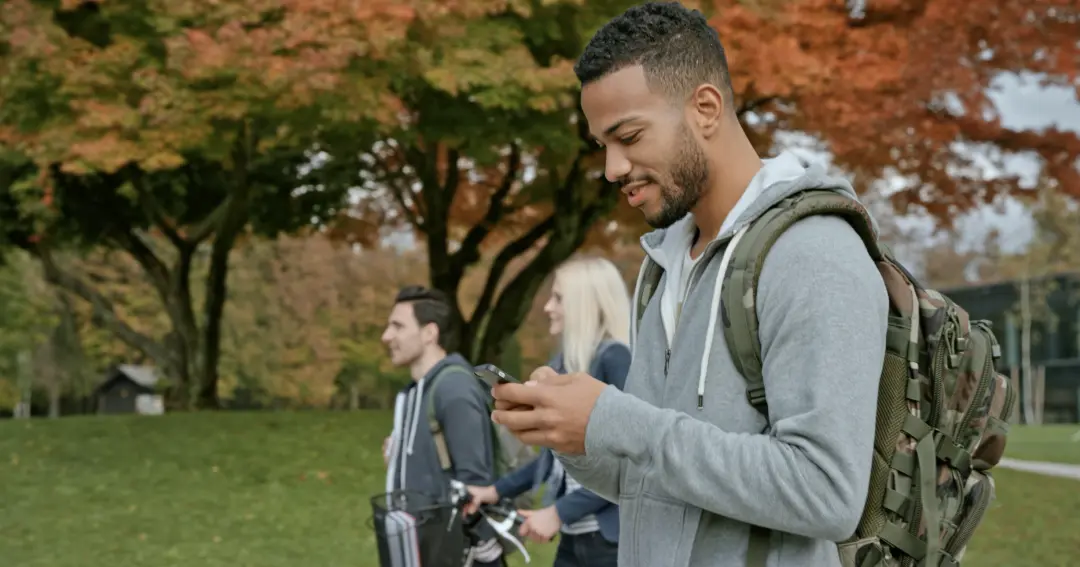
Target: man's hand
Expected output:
[540,525]
[551,410]
[480,495]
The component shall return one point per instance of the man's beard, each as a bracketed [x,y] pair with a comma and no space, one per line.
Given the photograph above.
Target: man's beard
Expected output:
[682,191]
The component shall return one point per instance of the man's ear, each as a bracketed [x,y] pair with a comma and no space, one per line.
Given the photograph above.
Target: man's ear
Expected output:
[430,334]
[707,106]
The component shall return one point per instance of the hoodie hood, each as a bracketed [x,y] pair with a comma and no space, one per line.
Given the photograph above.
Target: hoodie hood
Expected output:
[778,179]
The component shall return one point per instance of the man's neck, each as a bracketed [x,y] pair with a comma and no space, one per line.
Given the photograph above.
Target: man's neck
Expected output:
[425,363]
[730,180]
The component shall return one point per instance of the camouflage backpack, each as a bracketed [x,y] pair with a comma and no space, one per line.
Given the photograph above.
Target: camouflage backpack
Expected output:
[942,409]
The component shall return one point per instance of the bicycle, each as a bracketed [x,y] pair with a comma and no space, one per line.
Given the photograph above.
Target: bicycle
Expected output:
[415,530]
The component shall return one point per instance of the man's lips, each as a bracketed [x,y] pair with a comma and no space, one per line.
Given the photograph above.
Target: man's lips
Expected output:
[634,194]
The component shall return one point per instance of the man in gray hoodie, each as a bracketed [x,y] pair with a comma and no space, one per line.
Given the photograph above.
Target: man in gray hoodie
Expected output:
[694,467]
[418,333]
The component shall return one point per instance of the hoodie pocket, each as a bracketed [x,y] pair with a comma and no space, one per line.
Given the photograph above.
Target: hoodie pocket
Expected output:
[658,532]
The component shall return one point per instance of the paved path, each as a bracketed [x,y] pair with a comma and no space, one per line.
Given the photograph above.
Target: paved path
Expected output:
[1049,469]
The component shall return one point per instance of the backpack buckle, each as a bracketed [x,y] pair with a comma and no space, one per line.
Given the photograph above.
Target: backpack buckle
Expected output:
[755,395]
[949,451]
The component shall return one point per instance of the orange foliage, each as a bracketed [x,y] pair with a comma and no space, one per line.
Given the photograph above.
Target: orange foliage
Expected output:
[882,95]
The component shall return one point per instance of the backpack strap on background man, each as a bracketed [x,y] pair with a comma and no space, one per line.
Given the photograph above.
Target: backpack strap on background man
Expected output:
[437,434]
[738,297]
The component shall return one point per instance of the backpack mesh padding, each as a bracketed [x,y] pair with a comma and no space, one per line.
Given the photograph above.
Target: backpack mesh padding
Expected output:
[892,411]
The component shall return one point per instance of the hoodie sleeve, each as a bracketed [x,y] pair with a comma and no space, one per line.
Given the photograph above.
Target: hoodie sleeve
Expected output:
[463,413]
[822,310]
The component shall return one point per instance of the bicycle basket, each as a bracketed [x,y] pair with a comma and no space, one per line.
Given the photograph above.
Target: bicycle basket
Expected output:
[415,530]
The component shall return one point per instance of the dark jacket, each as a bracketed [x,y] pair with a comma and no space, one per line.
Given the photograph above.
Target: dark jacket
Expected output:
[461,408]
[610,367]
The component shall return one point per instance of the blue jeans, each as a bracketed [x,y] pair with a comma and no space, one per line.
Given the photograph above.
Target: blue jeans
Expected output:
[586,550]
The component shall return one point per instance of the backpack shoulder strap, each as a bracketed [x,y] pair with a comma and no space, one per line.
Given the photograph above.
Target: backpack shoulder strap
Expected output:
[441,449]
[648,281]
[737,300]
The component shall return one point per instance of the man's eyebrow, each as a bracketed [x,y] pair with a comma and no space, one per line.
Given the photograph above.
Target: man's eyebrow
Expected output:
[611,129]
[619,124]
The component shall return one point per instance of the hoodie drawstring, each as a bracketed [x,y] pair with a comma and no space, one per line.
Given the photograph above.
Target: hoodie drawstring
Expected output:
[634,309]
[710,331]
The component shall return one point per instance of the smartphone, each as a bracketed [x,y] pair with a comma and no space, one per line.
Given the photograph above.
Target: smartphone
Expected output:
[493,375]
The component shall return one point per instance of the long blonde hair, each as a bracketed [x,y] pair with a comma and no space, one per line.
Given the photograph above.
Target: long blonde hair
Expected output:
[596,306]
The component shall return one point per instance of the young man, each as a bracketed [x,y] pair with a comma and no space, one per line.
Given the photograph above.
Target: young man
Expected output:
[695,469]
[419,330]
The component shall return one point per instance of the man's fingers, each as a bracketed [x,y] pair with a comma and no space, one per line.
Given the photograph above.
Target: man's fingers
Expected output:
[525,529]
[525,513]
[518,421]
[509,406]
[542,374]
[518,394]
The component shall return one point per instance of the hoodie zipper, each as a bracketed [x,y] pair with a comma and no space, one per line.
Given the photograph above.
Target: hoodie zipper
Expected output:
[700,266]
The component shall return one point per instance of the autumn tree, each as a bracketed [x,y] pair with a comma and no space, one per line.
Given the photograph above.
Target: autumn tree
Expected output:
[491,167]
[908,93]
[190,120]
[905,95]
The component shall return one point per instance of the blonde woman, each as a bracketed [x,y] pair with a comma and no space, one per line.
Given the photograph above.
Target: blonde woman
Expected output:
[589,312]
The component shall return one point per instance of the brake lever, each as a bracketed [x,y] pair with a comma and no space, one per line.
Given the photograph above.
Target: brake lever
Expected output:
[459,496]
[504,527]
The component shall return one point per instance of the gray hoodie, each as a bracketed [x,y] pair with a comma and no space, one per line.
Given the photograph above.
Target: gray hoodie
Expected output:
[691,480]
[461,408]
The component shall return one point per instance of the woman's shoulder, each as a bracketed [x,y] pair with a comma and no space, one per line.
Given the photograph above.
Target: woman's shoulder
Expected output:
[613,362]
[612,349]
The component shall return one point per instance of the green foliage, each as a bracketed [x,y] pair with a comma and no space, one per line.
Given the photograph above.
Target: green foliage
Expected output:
[27,317]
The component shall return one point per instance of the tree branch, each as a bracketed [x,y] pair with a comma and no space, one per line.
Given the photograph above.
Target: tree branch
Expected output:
[469,252]
[206,227]
[154,211]
[512,250]
[104,313]
[398,193]
[155,268]
[397,183]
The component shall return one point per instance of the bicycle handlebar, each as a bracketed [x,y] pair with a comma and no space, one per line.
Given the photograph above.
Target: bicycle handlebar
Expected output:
[506,528]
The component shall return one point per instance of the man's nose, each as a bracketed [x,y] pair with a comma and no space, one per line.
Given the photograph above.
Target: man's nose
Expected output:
[616,166]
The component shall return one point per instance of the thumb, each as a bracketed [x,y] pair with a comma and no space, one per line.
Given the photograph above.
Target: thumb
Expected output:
[525,529]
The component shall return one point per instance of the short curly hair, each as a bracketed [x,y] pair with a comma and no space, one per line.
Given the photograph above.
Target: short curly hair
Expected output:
[676,47]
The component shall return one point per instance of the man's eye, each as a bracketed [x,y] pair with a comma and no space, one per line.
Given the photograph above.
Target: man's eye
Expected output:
[630,139]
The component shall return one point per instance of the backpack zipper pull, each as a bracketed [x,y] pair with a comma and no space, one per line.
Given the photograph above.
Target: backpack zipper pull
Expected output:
[667,359]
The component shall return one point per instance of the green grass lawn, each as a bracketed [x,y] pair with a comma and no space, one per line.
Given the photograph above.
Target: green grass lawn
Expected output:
[292,489]
[1044,443]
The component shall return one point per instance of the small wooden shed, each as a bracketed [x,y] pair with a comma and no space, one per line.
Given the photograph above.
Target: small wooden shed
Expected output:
[128,388]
